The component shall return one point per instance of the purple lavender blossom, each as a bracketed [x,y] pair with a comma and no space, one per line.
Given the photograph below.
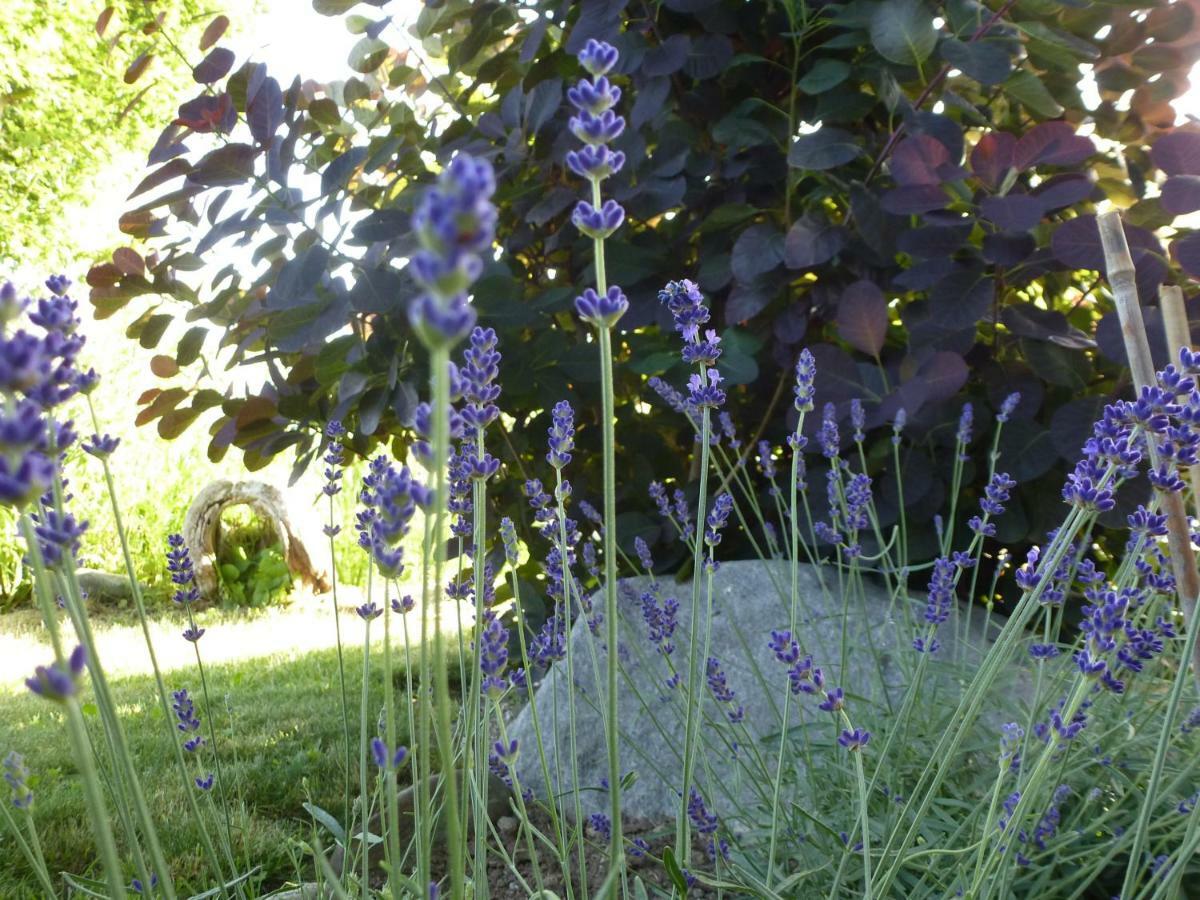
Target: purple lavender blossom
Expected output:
[806,376]
[1008,407]
[828,436]
[561,434]
[898,423]
[101,446]
[858,420]
[334,459]
[508,536]
[56,683]
[493,654]
[16,773]
[966,421]
[602,311]
[717,518]
[854,739]
[481,367]
[183,573]
[385,758]
[390,497]
[455,223]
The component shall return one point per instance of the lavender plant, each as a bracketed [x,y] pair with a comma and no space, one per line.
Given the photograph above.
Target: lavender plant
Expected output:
[1048,751]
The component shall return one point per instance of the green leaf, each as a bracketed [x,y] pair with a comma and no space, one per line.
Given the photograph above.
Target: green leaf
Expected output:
[674,872]
[188,350]
[332,7]
[826,74]
[902,31]
[153,330]
[1028,89]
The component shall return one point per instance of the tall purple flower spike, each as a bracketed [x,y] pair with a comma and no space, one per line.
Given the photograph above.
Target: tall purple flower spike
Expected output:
[455,224]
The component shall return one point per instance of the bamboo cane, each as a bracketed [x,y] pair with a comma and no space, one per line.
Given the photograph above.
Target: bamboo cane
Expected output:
[1120,272]
[1179,334]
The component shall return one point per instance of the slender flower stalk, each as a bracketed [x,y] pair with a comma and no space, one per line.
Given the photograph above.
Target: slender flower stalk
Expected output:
[455,224]
[334,459]
[686,305]
[595,124]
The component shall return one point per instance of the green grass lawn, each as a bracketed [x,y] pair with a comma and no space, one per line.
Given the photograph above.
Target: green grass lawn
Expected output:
[279,724]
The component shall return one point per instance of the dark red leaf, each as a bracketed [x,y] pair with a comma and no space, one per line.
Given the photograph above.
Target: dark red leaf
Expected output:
[137,68]
[103,19]
[1051,144]
[128,261]
[215,66]
[810,243]
[862,317]
[163,366]
[992,157]
[916,160]
[208,113]
[213,31]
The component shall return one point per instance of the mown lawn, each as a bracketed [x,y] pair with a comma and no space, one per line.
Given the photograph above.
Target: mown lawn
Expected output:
[279,723]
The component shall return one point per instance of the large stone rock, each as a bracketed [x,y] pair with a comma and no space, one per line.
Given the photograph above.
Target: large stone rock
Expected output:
[749,599]
[202,524]
[104,587]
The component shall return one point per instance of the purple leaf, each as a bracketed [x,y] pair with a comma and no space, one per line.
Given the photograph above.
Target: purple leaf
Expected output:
[668,57]
[862,317]
[215,66]
[1008,249]
[230,164]
[758,250]
[942,375]
[1177,153]
[1186,251]
[265,112]
[162,175]
[993,156]
[1076,244]
[1051,144]
[924,274]
[1027,320]
[809,244]
[934,240]
[823,149]
[168,145]
[1181,194]
[708,56]
[917,198]
[746,301]
[1014,212]
[791,325]
[1063,190]
[916,160]
[962,298]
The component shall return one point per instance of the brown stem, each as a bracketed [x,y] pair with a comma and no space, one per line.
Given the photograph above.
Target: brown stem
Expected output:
[1121,279]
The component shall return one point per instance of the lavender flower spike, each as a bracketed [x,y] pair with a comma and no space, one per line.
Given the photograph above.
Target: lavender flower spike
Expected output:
[455,223]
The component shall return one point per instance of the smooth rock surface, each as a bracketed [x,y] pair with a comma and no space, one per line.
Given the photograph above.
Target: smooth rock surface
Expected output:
[749,601]
[104,587]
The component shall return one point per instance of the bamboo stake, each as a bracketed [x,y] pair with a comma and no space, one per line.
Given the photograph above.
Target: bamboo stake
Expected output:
[1120,272]
[1179,335]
